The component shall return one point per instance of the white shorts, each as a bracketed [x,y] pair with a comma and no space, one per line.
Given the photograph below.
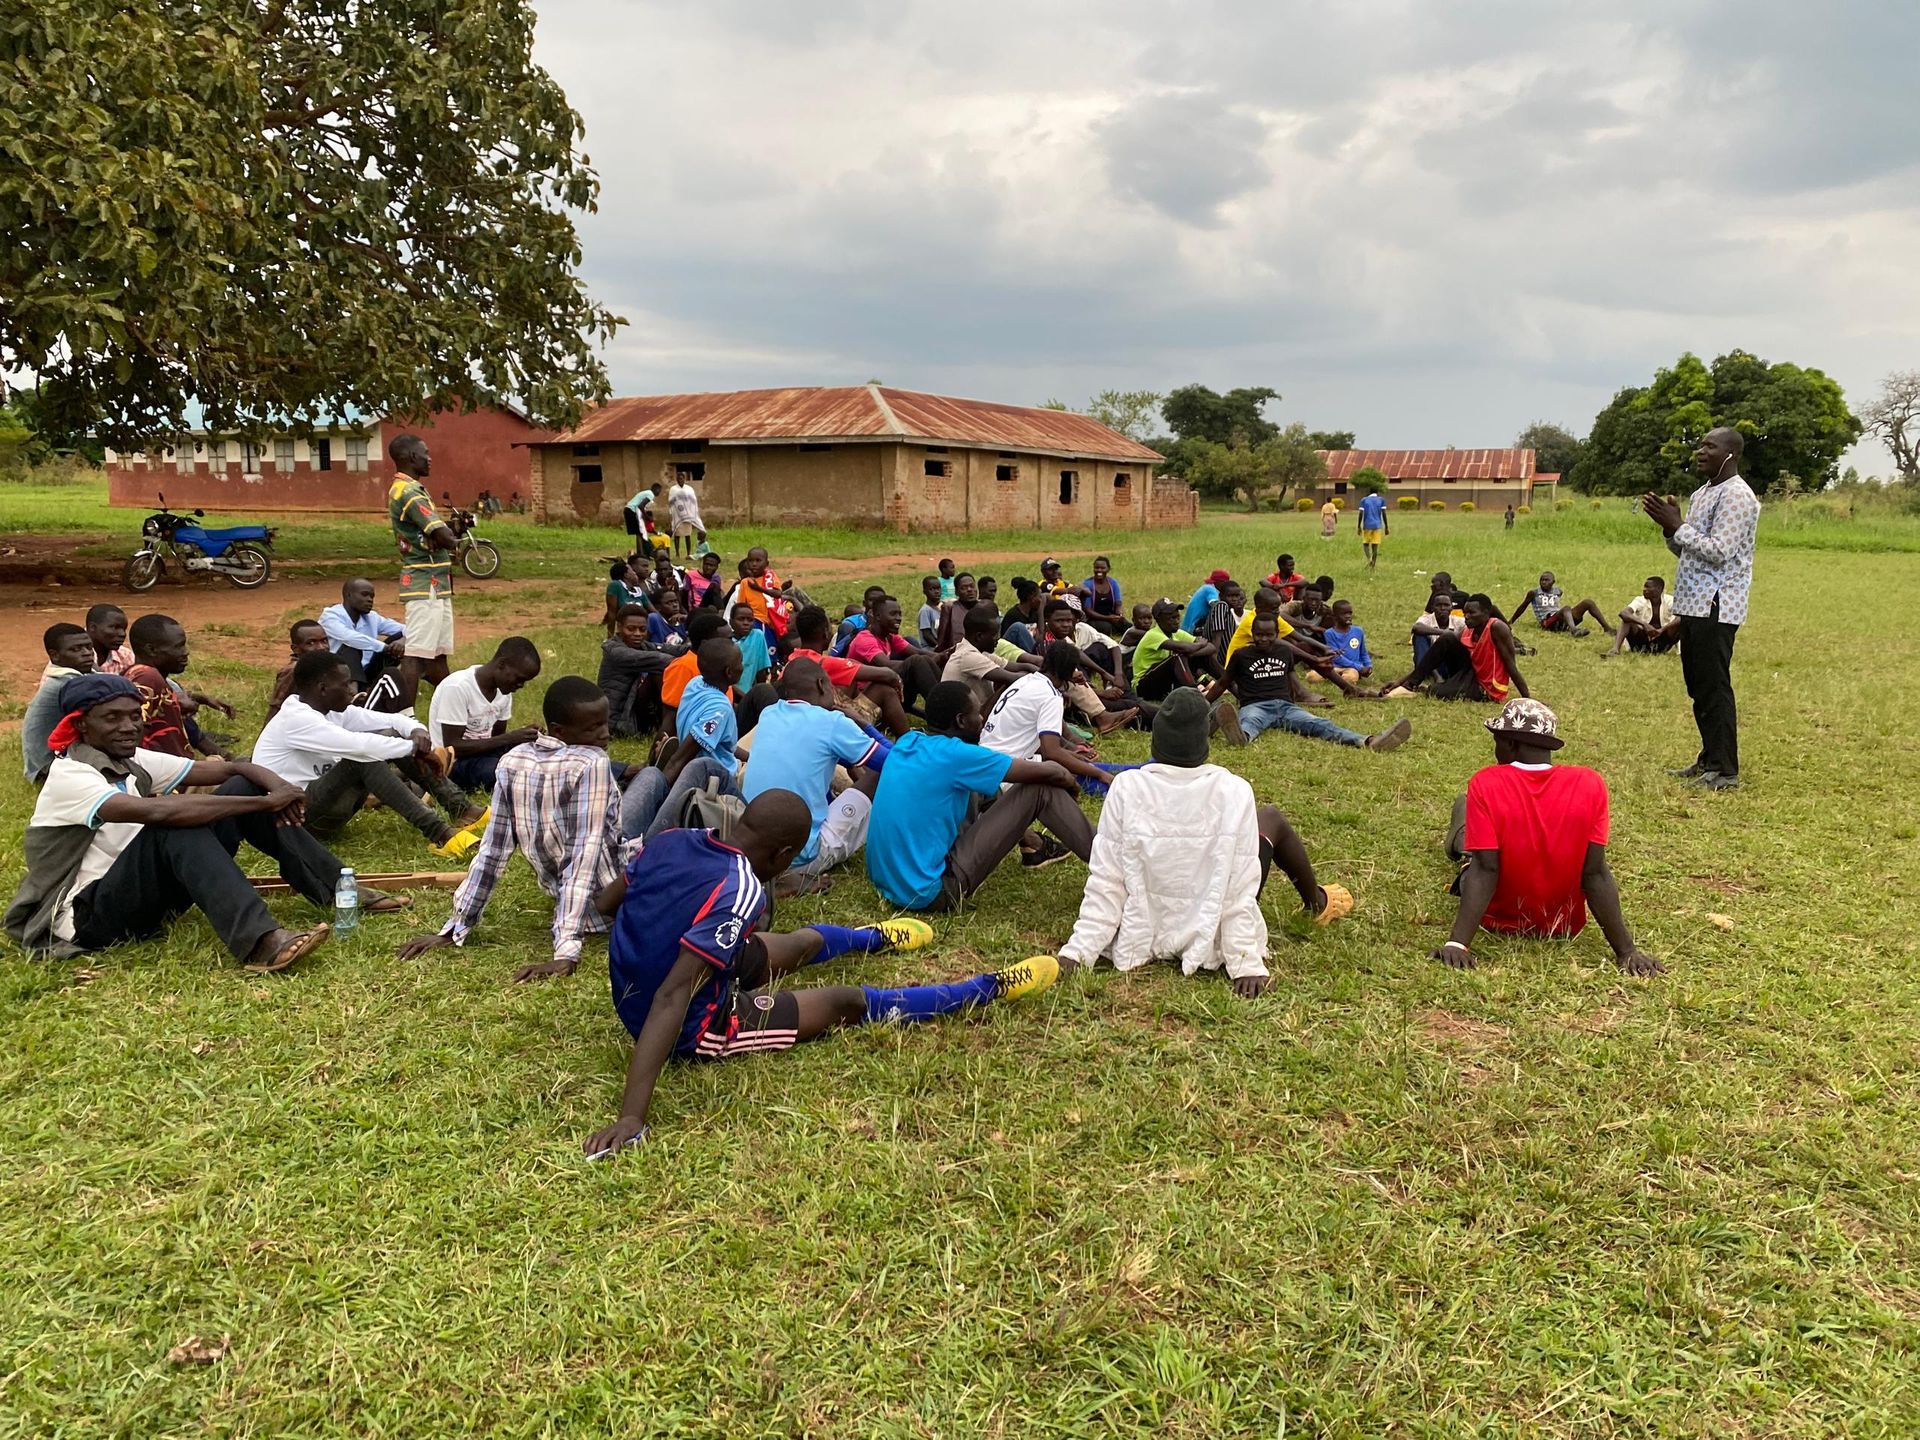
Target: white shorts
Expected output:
[843,834]
[430,627]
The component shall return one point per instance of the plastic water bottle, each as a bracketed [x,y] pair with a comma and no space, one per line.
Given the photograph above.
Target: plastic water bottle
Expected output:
[346,904]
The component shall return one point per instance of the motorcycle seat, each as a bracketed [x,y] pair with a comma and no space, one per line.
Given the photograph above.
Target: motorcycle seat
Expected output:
[199,534]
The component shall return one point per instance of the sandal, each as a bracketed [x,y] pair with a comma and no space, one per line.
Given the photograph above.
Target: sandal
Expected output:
[294,949]
[378,902]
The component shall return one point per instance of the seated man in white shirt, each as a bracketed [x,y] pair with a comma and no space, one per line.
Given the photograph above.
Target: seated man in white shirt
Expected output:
[340,753]
[472,708]
[115,852]
[1179,860]
[1648,624]
[1027,721]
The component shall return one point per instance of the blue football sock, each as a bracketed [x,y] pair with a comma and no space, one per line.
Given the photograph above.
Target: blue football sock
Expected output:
[837,940]
[924,1002]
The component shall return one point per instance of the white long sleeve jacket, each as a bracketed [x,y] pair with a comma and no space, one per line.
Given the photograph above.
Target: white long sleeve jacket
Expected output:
[1175,874]
[300,744]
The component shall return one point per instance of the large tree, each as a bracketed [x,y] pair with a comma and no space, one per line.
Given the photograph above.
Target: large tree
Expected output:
[1893,418]
[288,208]
[1286,460]
[1556,449]
[1193,412]
[1795,421]
[1331,439]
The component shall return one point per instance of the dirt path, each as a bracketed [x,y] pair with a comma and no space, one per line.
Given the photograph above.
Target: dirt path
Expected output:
[235,624]
[251,625]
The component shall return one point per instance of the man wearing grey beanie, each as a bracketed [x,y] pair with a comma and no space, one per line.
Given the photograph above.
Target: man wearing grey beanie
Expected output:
[1179,860]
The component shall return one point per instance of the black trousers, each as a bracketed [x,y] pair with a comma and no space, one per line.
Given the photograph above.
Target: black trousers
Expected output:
[167,871]
[1452,662]
[1706,662]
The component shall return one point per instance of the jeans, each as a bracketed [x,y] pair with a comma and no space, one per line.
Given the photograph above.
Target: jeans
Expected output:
[1021,634]
[476,772]
[168,870]
[1264,715]
[1706,663]
[651,804]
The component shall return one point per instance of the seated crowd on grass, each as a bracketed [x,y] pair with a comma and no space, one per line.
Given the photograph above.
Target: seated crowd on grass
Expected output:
[787,742]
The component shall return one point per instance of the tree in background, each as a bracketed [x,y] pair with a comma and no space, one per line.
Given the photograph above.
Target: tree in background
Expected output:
[1893,418]
[1131,412]
[1331,439]
[285,208]
[1795,420]
[1556,449]
[1368,475]
[1285,461]
[1193,412]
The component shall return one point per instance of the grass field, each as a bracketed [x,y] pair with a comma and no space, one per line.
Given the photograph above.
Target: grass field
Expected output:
[1388,1199]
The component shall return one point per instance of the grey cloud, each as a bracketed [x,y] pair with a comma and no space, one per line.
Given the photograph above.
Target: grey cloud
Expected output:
[1186,155]
[1431,223]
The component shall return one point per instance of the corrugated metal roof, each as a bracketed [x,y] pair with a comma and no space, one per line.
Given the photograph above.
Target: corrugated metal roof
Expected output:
[851,412]
[1432,464]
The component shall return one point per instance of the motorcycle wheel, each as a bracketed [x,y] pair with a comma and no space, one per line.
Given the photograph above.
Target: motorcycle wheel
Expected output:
[480,559]
[142,571]
[258,564]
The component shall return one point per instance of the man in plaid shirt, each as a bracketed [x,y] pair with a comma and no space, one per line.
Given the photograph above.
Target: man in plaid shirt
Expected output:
[555,802]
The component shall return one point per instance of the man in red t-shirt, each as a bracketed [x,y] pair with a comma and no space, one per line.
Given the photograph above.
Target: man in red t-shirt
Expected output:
[1534,836]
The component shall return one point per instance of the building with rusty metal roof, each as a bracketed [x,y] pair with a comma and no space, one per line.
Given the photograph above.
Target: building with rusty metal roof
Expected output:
[860,455]
[1486,477]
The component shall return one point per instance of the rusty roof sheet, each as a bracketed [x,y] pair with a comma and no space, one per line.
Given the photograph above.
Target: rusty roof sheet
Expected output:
[1432,464]
[852,412]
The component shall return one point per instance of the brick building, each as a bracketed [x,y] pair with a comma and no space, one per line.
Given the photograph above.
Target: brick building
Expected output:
[343,466]
[858,454]
[1489,478]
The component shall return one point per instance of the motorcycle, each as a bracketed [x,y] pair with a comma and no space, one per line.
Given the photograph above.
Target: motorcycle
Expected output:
[477,556]
[238,552]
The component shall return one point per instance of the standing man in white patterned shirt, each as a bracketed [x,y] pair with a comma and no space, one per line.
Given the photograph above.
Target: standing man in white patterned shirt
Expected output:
[1715,546]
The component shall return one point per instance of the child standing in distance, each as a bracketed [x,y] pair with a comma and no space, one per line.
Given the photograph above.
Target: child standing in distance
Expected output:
[928,620]
[1371,519]
[946,578]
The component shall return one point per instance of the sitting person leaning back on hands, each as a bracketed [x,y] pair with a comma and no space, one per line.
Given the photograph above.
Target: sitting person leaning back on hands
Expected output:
[1533,836]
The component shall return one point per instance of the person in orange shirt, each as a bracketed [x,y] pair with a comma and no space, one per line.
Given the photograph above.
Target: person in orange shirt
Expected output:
[762,590]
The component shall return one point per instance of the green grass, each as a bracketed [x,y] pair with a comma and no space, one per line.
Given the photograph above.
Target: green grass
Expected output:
[1389,1199]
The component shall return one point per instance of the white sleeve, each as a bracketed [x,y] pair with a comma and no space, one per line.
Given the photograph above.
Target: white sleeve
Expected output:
[1106,891]
[1243,930]
[363,721]
[312,733]
[167,772]
[1051,718]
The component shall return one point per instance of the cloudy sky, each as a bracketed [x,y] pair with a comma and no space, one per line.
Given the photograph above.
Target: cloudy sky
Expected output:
[1428,223]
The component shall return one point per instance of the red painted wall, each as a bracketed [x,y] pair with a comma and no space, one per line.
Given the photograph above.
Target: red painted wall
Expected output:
[479,450]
